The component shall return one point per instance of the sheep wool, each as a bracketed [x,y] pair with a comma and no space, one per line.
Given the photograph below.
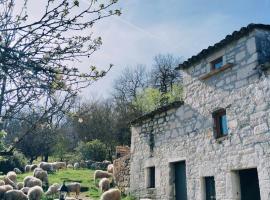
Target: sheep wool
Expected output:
[4,189]
[15,195]
[33,167]
[74,187]
[12,176]
[104,184]
[53,189]
[101,174]
[59,165]
[70,166]
[27,168]
[20,185]
[46,166]
[30,181]
[35,193]
[112,194]
[76,165]
[110,168]
[10,182]
[25,190]
[41,174]
[2,182]
[17,170]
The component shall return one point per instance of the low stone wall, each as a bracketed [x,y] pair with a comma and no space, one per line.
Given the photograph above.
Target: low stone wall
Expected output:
[122,173]
[96,165]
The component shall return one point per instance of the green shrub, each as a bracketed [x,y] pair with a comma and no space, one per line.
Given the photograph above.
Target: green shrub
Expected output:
[8,163]
[94,150]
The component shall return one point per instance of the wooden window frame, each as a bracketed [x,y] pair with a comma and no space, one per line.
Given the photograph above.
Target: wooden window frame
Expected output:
[217,124]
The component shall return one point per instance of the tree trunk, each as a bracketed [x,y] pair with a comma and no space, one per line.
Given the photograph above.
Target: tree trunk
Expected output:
[46,157]
[2,96]
[31,160]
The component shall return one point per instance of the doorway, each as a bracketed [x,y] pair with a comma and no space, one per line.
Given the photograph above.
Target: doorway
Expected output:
[210,188]
[180,180]
[249,184]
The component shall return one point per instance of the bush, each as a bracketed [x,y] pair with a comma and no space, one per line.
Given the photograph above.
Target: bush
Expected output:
[93,150]
[7,164]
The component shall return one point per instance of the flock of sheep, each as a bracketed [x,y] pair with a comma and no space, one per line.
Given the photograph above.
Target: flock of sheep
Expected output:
[31,187]
[106,177]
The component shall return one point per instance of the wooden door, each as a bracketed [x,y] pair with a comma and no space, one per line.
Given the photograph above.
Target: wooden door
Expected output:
[180,181]
[249,184]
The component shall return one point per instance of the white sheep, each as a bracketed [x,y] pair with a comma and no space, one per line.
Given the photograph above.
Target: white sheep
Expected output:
[15,195]
[10,182]
[110,168]
[25,190]
[112,194]
[30,181]
[27,168]
[104,184]
[37,169]
[20,185]
[33,167]
[53,189]
[2,182]
[41,174]
[12,176]
[74,187]
[35,193]
[17,170]
[59,165]
[4,189]
[76,165]
[46,166]
[101,174]
[70,166]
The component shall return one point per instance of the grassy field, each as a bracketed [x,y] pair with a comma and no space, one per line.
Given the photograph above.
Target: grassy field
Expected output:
[83,176]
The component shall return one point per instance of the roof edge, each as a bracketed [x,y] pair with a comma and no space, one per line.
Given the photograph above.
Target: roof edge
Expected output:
[217,46]
[159,110]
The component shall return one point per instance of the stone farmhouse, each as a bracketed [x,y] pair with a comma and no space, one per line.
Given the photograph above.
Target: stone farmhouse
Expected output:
[215,144]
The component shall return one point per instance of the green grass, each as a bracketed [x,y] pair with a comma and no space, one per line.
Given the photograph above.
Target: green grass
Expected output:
[83,176]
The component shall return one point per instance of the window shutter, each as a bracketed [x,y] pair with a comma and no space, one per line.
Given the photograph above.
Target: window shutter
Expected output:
[224,125]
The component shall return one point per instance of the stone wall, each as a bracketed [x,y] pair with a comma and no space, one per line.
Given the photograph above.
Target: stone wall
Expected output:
[186,133]
[122,173]
[122,151]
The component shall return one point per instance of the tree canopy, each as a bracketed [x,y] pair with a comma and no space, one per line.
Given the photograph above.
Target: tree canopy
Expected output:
[39,56]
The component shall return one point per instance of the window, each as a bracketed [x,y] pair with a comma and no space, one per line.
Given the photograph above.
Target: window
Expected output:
[151,177]
[220,123]
[217,64]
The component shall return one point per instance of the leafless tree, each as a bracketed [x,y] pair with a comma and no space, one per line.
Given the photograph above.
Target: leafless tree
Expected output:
[163,74]
[38,58]
[129,82]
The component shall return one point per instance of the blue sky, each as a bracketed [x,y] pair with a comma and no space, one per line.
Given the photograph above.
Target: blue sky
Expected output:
[180,27]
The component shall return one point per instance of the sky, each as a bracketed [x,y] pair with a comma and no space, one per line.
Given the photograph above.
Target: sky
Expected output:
[179,27]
